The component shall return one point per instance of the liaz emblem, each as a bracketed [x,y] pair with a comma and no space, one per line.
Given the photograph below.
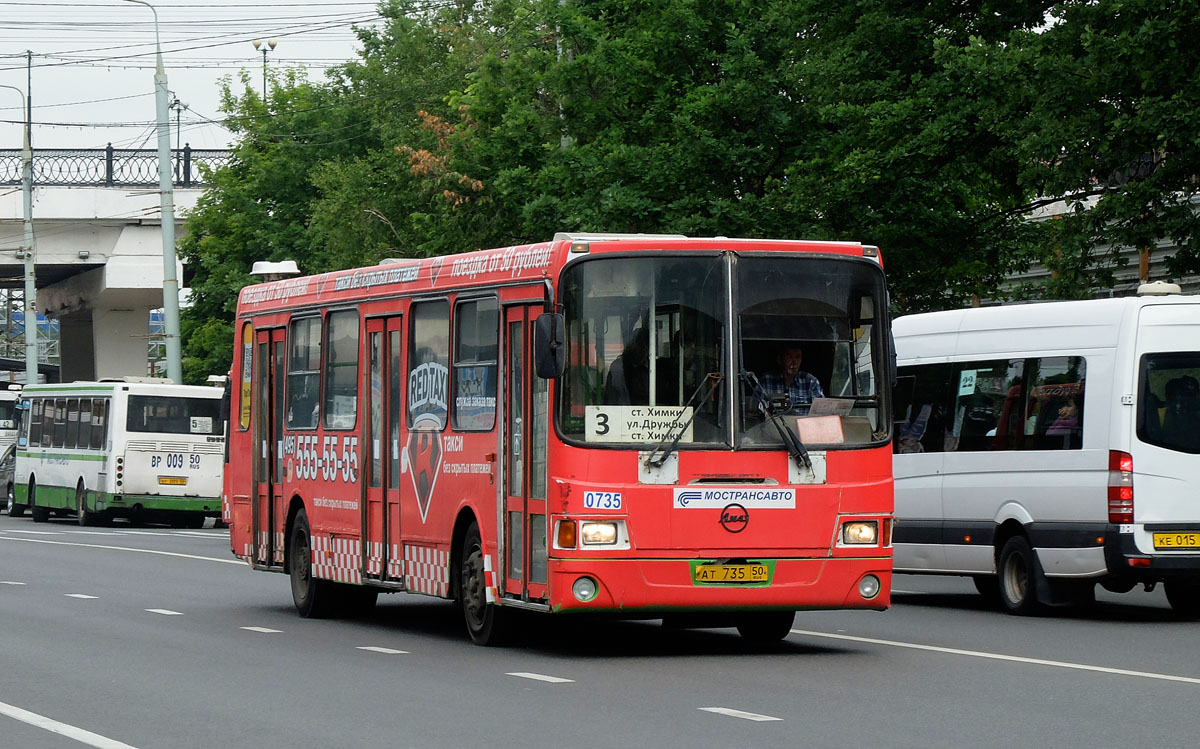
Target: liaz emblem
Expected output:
[424,463]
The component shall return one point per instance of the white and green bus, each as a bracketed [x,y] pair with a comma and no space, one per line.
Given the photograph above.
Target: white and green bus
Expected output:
[133,448]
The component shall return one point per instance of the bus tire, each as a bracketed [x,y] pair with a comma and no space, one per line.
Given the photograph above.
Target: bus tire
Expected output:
[82,515]
[487,623]
[1184,598]
[1018,576]
[764,627]
[39,514]
[14,510]
[314,598]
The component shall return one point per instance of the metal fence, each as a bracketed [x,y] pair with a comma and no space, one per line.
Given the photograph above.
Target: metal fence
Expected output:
[111,167]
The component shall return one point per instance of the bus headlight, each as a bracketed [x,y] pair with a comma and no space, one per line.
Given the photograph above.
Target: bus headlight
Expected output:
[598,534]
[584,589]
[868,587]
[860,532]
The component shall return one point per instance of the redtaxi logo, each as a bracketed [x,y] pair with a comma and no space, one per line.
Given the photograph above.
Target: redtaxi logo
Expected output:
[424,464]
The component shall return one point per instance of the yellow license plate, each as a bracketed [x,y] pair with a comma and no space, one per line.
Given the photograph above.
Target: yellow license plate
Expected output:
[1177,540]
[173,480]
[730,573]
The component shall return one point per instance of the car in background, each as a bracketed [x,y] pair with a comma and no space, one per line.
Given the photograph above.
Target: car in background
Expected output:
[7,463]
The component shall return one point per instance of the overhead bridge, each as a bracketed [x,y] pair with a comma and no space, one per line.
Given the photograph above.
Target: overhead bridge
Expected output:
[97,229]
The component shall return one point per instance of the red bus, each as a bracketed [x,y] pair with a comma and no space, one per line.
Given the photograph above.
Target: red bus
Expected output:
[579,425]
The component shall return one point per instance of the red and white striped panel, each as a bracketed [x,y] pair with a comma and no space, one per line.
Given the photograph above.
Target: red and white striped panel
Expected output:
[374,558]
[427,570]
[336,559]
[491,592]
[395,568]
[280,547]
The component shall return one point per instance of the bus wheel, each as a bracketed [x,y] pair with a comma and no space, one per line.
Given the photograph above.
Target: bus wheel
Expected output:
[314,598]
[1184,598]
[485,622]
[765,626]
[14,510]
[39,514]
[84,517]
[1018,577]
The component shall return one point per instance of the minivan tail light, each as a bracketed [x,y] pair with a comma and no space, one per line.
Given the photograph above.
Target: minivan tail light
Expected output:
[1120,487]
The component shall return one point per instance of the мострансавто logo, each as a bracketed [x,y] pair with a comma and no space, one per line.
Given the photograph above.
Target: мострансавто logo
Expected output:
[718,497]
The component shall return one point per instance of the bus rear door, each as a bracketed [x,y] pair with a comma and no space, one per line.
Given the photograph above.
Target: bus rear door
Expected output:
[268,505]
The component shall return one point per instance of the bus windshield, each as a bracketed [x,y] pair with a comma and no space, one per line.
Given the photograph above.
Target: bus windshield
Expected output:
[8,414]
[649,355]
[161,414]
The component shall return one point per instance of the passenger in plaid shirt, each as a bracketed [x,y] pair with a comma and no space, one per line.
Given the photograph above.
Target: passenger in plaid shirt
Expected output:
[800,386]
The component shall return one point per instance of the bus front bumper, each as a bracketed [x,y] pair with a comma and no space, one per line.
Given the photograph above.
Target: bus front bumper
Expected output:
[648,585]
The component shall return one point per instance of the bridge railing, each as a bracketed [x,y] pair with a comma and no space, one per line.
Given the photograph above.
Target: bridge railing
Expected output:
[111,167]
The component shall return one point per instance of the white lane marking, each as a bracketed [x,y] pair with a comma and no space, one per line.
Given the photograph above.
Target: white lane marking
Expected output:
[90,533]
[79,595]
[34,533]
[540,677]
[198,534]
[71,732]
[1002,657]
[385,651]
[165,612]
[738,714]
[264,630]
[10,582]
[145,533]
[238,562]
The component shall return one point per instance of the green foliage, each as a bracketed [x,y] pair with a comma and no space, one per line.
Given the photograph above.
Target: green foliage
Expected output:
[930,129]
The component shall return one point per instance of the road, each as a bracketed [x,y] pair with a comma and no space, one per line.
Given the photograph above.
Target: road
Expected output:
[151,637]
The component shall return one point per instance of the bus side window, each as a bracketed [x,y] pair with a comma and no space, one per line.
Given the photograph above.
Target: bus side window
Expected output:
[35,423]
[303,373]
[341,369]
[99,423]
[85,423]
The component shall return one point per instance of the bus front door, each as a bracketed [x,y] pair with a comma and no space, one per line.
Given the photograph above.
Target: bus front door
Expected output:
[524,439]
[268,506]
[384,559]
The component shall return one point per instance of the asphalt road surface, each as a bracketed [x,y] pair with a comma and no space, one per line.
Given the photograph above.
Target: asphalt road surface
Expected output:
[152,637]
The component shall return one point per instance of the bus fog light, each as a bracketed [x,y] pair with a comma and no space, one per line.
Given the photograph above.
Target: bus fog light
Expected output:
[868,587]
[598,533]
[584,589]
[860,532]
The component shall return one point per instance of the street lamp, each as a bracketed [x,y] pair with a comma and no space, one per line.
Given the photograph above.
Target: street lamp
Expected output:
[166,191]
[258,43]
[178,106]
[31,345]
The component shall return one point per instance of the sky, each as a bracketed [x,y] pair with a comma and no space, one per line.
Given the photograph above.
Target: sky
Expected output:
[92,72]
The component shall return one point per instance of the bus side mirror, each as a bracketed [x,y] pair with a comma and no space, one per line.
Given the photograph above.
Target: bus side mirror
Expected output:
[549,345]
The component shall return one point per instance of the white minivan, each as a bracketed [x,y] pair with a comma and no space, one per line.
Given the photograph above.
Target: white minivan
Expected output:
[1044,448]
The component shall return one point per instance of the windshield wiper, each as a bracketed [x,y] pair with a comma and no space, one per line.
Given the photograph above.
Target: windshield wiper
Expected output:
[658,455]
[795,447]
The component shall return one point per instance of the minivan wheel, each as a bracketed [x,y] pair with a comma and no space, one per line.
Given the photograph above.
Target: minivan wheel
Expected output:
[1019,573]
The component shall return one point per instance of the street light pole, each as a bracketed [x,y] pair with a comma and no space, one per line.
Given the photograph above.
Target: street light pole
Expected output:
[31,344]
[165,187]
[258,43]
[178,106]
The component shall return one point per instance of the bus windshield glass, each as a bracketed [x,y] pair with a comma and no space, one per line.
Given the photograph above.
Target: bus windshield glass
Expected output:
[8,414]
[809,362]
[173,415]
[649,356]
